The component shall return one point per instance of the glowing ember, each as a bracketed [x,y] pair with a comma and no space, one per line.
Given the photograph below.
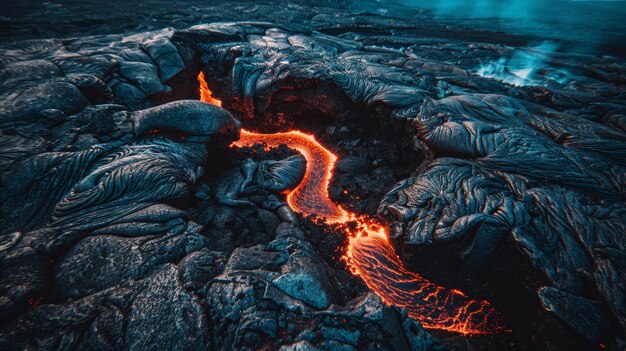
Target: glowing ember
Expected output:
[370,255]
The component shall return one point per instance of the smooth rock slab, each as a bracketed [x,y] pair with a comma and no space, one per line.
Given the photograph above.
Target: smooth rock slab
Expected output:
[164,53]
[27,104]
[305,287]
[145,76]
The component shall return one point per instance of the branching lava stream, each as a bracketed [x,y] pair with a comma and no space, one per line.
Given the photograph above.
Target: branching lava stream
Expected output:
[369,254]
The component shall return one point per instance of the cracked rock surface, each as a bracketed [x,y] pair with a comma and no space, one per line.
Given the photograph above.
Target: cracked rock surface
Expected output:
[126,222]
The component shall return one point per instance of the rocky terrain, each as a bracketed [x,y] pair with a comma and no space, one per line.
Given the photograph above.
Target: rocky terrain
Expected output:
[127,221]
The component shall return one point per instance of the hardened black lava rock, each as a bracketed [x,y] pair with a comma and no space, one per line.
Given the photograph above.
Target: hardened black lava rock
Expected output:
[127,223]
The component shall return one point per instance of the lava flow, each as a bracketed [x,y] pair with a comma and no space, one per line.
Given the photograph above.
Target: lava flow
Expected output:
[370,255]
[206,94]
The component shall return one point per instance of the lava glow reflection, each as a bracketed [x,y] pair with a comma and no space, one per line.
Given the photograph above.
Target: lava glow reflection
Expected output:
[369,254]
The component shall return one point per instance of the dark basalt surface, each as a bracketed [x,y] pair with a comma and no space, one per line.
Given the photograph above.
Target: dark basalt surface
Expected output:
[126,222]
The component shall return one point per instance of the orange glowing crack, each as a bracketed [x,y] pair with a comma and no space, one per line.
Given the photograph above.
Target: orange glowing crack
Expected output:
[205,93]
[369,254]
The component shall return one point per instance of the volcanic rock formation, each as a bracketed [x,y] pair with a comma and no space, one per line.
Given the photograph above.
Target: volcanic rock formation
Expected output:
[127,221]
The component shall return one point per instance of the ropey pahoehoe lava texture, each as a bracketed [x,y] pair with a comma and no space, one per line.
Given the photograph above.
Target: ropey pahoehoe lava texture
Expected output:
[128,219]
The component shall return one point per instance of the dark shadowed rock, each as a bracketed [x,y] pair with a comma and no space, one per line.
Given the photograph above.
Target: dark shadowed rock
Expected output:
[125,225]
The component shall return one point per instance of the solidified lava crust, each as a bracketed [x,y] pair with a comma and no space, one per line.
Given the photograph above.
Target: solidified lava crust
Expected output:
[411,183]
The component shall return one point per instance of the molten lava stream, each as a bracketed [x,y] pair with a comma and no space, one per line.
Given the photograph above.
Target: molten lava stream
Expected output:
[375,261]
[370,255]
[206,94]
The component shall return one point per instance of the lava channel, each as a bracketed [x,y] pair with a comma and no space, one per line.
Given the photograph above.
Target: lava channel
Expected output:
[369,254]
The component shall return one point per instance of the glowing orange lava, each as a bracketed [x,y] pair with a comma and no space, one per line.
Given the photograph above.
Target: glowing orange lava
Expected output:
[369,254]
[205,93]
